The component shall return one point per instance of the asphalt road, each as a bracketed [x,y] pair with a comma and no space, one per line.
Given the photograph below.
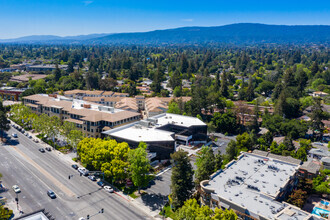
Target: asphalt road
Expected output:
[21,163]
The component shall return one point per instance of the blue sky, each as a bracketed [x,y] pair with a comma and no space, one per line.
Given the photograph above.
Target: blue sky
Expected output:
[75,17]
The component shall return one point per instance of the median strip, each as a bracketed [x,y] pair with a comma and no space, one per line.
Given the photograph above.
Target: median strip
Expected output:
[66,190]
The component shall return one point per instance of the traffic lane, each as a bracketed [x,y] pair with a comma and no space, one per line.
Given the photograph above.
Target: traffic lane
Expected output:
[49,160]
[33,194]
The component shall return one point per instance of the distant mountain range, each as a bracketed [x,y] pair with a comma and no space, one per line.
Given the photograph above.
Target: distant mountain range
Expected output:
[244,33]
[52,38]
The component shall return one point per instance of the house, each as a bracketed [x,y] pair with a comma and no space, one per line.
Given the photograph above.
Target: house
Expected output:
[309,169]
[319,94]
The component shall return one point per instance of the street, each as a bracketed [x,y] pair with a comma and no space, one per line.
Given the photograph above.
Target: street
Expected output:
[35,173]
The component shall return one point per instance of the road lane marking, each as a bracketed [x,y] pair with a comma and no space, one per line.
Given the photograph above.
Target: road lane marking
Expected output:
[66,190]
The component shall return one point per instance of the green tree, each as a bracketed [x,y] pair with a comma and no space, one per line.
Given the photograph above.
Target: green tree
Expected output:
[265,87]
[5,213]
[182,178]
[4,122]
[139,165]
[225,122]
[174,108]
[57,73]
[231,150]
[218,161]
[74,137]
[205,163]
[193,211]
[317,116]
[250,91]
[224,85]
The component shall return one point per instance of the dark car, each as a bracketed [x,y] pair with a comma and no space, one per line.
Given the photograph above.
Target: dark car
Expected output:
[93,178]
[42,150]
[100,183]
[51,194]
[75,166]
[48,149]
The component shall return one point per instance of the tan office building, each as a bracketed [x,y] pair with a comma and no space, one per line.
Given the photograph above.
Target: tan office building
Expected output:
[90,118]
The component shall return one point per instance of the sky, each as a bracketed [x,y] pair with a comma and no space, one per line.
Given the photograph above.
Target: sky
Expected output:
[74,17]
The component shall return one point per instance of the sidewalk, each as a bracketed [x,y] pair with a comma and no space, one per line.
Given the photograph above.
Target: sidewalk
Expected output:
[138,204]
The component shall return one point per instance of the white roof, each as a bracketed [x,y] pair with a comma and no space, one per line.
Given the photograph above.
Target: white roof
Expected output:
[135,132]
[180,120]
[254,170]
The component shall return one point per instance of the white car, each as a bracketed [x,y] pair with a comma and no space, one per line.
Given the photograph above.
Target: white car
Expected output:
[16,189]
[14,135]
[83,171]
[108,189]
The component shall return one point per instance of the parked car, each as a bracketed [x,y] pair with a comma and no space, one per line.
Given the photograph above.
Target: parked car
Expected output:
[74,166]
[16,189]
[48,149]
[27,134]
[51,194]
[36,140]
[100,183]
[42,150]
[14,135]
[83,171]
[93,178]
[30,137]
[108,189]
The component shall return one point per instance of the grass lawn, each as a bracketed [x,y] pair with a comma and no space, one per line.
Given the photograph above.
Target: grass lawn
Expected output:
[133,195]
[168,212]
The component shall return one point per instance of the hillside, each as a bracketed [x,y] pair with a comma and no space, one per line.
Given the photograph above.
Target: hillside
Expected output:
[244,33]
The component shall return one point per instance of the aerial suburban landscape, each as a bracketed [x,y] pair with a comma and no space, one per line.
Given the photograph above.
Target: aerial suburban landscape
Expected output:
[144,110]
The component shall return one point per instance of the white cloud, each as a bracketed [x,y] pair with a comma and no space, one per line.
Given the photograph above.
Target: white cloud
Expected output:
[187,20]
[87,2]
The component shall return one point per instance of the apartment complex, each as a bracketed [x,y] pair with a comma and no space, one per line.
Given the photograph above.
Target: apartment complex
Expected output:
[162,133]
[255,186]
[90,118]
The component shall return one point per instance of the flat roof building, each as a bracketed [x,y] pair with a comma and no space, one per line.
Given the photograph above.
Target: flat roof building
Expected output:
[90,118]
[254,186]
[161,133]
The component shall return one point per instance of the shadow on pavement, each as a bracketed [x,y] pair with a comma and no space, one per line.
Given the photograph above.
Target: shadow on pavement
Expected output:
[154,201]
[88,194]
[13,142]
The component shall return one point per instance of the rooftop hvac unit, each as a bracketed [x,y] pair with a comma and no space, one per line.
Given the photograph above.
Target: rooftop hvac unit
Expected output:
[153,120]
[145,123]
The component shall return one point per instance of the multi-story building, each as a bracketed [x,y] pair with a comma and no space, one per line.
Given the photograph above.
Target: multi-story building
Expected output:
[162,133]
[90,118]
[85,94]
[158,105]
[44,67]
[254,186]
[11,93]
